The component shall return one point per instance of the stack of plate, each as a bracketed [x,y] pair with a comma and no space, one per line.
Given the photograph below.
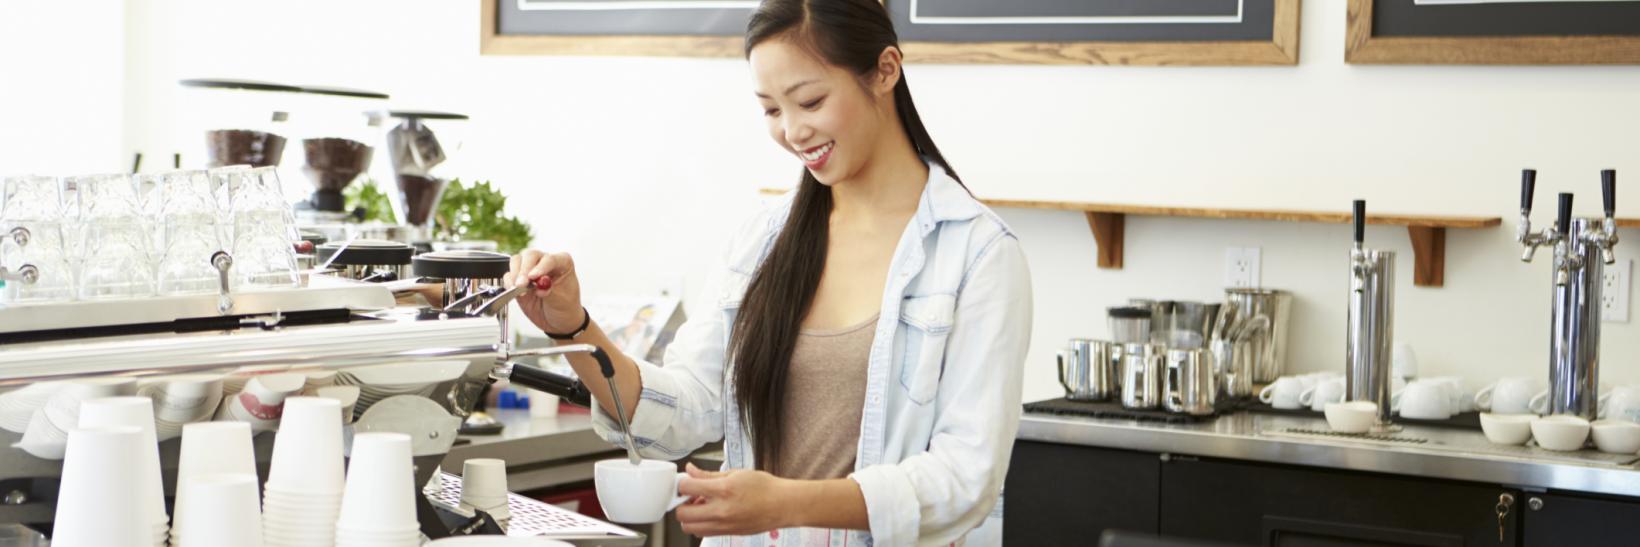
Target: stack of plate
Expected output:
[382,381]
[181,400]
[17,406]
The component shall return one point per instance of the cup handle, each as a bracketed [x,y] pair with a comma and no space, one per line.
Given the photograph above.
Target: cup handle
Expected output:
[1539,403]
[1307,397]
[1061,358]
[676,499]
[1395,400]
[1483,398]
[1267,394]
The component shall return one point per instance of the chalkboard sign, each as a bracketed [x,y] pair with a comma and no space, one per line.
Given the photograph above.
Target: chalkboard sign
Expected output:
[1136,32]
[1493,32]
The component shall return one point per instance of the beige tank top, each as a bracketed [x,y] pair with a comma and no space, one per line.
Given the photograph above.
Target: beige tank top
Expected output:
[825,396]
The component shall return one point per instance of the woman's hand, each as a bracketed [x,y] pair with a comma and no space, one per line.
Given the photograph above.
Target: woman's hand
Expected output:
[735,503]
[557,308]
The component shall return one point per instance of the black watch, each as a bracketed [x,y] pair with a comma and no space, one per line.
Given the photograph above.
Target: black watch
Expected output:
[587,322]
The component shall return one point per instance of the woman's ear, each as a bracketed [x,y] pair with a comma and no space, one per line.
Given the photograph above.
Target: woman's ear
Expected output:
[888,71]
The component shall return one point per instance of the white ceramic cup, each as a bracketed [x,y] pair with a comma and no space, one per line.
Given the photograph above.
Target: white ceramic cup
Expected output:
[1458,399]
[1512,395]
[1561,432]
[1539,404]
[1351,417]
[1623,403]
[1329,390]
[1616,436]
[1283,393]
[637,494]
[1404,363]
[1510,429]
[1426,400]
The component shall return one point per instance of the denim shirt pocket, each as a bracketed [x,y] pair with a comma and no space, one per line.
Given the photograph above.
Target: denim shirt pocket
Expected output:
[926,322]
[734,290]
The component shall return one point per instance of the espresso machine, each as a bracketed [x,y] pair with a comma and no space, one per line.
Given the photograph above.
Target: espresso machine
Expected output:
[1582,247]
[1369,336]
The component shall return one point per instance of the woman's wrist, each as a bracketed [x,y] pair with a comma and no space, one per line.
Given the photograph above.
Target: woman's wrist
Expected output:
[793,500]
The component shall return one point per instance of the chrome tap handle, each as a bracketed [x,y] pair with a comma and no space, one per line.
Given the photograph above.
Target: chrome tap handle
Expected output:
[1528,184]
[27,274]
[1563,223]
[1608,191]
[223,261]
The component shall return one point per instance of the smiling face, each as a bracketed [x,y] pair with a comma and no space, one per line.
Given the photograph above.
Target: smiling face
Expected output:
[822,114]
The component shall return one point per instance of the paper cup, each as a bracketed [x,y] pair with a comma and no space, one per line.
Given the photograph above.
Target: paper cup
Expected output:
[211,448]
[224,510]
[380,492]
[307,453]
[135,412]
[484,487]
[99,487]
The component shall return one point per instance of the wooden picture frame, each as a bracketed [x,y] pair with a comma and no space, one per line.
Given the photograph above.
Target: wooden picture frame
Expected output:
[1280,49]
[1363,47]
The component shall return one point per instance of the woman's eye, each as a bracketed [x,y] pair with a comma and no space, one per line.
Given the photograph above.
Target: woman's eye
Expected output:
[811,105]
[771,112]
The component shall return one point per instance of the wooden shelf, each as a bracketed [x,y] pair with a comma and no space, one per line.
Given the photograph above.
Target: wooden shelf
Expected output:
[1107,221]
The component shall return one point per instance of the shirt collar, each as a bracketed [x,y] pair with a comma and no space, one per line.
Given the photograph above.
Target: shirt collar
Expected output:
[944,199]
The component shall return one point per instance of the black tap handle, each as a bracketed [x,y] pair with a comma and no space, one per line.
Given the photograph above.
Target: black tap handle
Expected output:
[1608,191]
[539,379]
[1360,221]
[605,366]
[1564,223]
[1528,184]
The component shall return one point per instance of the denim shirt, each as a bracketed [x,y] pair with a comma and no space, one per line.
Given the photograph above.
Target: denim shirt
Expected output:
[943,380]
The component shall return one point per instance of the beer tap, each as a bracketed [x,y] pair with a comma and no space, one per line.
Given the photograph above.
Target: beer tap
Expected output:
[1582,247]
[1360,267]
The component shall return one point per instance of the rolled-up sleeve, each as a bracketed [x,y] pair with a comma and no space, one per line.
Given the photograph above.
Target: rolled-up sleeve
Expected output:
[681,406]
[936,497]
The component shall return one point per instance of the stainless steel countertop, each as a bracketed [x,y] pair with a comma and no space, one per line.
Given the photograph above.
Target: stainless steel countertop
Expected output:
[1446,453]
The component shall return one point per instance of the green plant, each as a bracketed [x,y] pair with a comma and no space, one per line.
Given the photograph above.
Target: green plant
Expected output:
[479,212]
[375,203]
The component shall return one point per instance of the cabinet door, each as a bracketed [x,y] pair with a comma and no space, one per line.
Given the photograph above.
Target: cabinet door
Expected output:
[1289,506]
[1059,494]
[1554,519]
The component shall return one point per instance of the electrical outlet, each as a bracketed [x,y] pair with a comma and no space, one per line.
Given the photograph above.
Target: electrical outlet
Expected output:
[1614,292]
[1241,267]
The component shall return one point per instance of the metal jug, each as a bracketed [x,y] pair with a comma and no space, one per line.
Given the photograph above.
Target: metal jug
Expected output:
[1192,386]
[1259,318]
[1088,369]
[1142,375]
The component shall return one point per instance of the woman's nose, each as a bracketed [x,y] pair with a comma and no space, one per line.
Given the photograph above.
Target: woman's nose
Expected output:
[797,130]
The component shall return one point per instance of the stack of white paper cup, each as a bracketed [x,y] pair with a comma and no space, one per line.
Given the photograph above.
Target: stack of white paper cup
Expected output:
[379,504]
[303,495]
[211,448]
[136,412]
[99,487]
[224,510]
[484,487]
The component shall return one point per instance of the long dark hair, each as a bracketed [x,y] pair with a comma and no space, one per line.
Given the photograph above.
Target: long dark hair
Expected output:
[851,34]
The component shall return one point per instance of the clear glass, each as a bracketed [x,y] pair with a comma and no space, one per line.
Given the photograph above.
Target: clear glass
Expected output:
[32,198]
[118,260]
[46,251]
[263,253]
[105,197]
[185,265]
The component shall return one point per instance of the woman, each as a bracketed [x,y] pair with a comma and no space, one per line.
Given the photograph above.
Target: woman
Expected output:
[864,372]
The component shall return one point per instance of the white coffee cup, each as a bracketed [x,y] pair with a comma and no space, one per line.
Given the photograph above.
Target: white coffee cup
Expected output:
[1283,393]
[1511,395]
[1458,399]
[637,494]
[1404,363]
[1329,390]
[1426,400]
[1623,403]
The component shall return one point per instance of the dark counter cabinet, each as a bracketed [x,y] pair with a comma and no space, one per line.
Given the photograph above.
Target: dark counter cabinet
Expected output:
[1061,494]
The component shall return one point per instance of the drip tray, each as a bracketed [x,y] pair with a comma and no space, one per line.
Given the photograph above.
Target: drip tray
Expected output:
[1528,452]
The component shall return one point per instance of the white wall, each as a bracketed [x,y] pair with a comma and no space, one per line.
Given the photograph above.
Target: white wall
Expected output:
[641,166]
[61,102]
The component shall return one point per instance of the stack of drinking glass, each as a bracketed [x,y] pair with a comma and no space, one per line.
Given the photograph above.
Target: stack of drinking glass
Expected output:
[118,236]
